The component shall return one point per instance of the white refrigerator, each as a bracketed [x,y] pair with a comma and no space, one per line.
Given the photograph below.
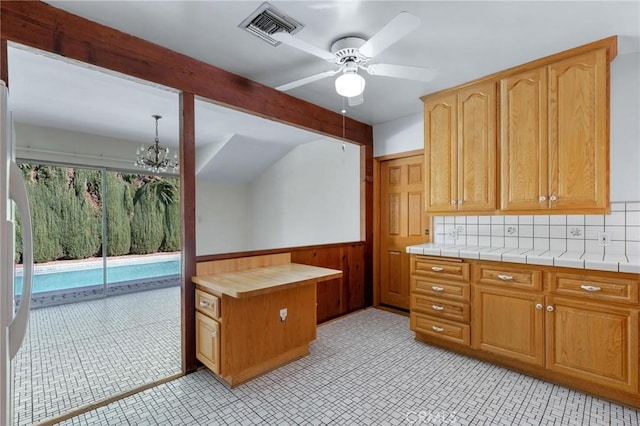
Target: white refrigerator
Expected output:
[13,322]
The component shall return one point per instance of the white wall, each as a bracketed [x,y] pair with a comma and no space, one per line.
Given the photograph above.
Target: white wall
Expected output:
[407,133]
[310,196]
[222,217]
[66,147]
[625,127]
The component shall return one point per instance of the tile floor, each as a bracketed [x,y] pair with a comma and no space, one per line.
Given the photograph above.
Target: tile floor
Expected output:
[366,369]
[80,353]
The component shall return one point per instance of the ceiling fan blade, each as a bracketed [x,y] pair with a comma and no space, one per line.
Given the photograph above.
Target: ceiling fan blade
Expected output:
[402,71]
[306,80]
[292,41]
[356,100]
[398,27]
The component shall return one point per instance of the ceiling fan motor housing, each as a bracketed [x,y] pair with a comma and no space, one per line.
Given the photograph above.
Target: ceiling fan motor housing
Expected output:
[346,50]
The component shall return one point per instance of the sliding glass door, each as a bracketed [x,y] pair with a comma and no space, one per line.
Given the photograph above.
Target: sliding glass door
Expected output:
[105,313]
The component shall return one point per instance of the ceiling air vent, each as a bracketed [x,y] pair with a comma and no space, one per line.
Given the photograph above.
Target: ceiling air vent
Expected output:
[267,20]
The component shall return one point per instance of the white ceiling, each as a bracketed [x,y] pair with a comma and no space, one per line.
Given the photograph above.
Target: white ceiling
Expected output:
[462,40]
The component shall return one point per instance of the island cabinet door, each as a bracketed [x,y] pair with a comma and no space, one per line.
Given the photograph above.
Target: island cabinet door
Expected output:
[208,342]
[508,323]
[593,341]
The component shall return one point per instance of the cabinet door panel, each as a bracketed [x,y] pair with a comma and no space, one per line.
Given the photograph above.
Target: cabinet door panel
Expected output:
[208,342]
[593,341]
[440,154]
[507,323]
[477,148]
[523,141]
[578,132]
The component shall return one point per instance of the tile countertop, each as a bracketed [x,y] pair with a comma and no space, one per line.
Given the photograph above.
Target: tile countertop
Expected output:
[568,259]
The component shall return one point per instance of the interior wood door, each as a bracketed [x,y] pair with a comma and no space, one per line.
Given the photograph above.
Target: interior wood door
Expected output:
[578,132]
[508,323]
[402,223]
[477,148]
[523,141]
[441,154]
[593,341]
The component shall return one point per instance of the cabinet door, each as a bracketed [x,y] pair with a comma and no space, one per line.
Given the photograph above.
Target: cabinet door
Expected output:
[578,132]
[508,323]
[441,154]
[523,141]
[593,341]
[477,148]
[207,342]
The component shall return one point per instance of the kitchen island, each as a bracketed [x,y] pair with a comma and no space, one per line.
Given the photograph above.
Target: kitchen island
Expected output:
[255,314]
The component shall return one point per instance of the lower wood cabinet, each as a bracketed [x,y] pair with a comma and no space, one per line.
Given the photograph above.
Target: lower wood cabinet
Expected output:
[592,341]
[208,342]
[575,327]
[509,323]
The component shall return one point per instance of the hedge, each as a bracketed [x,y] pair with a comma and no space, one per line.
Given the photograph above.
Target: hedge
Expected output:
[142,213]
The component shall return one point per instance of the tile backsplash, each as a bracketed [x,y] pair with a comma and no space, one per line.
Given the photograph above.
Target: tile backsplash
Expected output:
[579,233]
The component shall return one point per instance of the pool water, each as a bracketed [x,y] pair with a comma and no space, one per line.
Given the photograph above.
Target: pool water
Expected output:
[64,280]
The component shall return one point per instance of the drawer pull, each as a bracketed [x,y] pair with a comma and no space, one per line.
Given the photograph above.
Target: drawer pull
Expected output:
[437,268]
[437,308]
[204,304]
[214,334]
[590,288]
[436,288]
[437,329]
[539,306]
[505,277]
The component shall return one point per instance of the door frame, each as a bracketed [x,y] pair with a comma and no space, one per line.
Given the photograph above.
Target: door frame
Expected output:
[376,216]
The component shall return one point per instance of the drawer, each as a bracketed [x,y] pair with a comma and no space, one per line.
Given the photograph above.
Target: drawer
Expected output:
[441,308]
[208,304]
[441,269]
[441,288]
[458,333]
[602,288]
[510,277]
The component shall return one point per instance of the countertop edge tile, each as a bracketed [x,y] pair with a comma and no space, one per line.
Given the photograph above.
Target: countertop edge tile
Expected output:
[593,261]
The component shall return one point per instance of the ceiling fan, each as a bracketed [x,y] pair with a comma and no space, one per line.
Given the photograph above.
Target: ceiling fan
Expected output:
[354,53]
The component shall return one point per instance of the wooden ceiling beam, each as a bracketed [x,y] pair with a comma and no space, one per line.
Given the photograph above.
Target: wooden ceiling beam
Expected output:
[41,26]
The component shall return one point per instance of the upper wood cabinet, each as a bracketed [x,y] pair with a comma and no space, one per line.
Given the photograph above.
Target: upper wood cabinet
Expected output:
[549,122]
[554,136]
[460,150]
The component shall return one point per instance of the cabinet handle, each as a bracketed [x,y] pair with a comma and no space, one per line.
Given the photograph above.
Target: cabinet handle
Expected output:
[549,308]
[553,198]
[203,304]
[543,198]
[505,277]
[214,334]
[539,306]
[436,288]
[590,288]
[453,202]
[437,269]
[437,308]
[437,329]
[460,201]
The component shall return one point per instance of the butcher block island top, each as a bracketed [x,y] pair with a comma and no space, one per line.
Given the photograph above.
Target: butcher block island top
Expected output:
[265,279]
[255,314]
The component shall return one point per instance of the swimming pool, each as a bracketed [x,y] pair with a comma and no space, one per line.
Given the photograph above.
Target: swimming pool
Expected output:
[73,279]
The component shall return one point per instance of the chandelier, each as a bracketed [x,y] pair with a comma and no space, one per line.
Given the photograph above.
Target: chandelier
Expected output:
[156,158]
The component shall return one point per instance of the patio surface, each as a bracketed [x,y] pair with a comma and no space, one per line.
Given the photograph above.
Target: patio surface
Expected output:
[80,353]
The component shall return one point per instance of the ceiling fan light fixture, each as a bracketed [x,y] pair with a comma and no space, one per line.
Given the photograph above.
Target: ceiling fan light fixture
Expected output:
[350,84]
